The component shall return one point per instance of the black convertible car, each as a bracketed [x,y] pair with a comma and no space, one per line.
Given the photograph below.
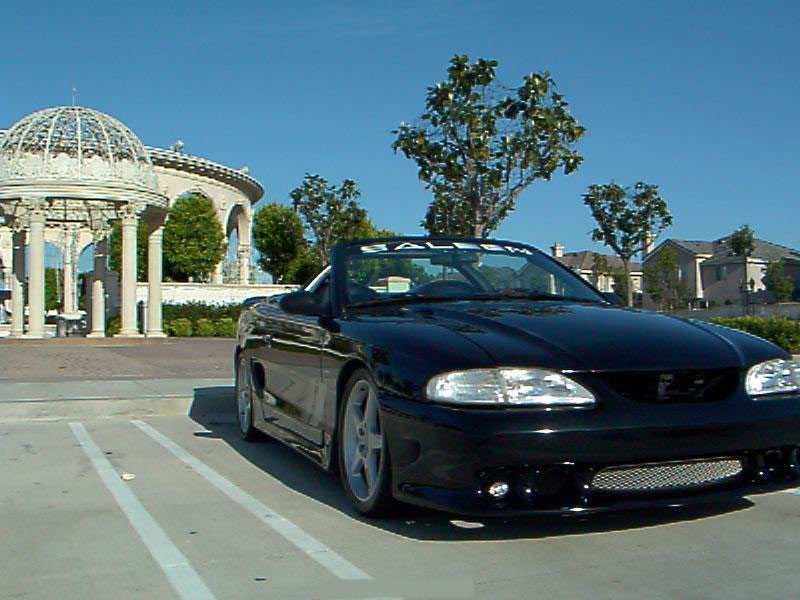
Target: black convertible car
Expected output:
[483,377]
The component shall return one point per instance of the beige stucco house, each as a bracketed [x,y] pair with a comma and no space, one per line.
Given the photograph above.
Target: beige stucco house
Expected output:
[714,275]
[582,263]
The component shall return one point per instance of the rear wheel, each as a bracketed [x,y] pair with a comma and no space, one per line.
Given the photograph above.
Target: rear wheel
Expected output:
[363,456]
[244,401]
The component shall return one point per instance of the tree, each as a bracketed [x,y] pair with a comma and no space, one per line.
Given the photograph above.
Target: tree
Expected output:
[663,283]
[743,241]
[115,252]
[742,244]
[331,214]
[53,284]
[304,266]
[779,285]
[481,144]
[622,285]
[278,237]
[194,242]
[628,220]
[600,268]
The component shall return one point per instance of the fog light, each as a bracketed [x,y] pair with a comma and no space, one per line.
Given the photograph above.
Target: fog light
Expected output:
[499,489]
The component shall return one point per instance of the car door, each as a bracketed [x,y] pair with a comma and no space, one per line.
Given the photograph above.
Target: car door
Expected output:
[292,357]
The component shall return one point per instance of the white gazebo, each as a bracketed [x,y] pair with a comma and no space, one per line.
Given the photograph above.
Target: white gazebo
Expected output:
[69,173]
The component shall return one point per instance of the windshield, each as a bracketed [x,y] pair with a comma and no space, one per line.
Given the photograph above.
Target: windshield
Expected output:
[419,270]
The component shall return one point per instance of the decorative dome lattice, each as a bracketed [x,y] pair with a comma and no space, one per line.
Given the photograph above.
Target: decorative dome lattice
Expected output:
[72,143]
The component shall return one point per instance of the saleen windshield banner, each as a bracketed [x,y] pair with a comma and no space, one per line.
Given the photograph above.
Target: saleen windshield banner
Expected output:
[421,246]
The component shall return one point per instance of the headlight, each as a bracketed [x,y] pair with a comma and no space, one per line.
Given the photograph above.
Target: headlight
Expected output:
[528,387]
[777,376]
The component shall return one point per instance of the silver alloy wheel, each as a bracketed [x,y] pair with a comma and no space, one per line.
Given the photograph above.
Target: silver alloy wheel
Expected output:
[244,397]
[362,441]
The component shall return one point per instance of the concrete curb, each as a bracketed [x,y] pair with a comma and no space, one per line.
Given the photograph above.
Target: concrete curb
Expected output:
[217,401]
[58,410]
[53,410]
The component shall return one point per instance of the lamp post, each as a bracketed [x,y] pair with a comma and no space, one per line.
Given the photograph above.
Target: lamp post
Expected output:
[746,288]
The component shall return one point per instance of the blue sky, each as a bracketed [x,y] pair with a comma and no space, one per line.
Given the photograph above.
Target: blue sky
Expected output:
[700,98]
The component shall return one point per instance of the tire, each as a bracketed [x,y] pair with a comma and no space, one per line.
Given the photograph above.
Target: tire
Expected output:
[244,401]
[364,464]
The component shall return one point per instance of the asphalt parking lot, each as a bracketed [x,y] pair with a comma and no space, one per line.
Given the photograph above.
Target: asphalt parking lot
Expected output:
[175,507]
[149,505]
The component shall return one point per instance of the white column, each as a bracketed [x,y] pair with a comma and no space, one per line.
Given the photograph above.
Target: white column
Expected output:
[98,310]
[244,264]
[154,273]
[698,279]
[69,271]
[17,279]
[128,276]
[216,276]
[100,250]
[36,276]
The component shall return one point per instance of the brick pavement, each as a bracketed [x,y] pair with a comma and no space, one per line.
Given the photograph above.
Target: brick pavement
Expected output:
[82,359]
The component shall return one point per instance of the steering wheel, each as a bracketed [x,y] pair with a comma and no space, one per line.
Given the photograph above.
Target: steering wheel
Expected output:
[445,287]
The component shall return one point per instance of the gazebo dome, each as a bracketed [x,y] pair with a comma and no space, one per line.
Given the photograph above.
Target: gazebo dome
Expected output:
[73,143]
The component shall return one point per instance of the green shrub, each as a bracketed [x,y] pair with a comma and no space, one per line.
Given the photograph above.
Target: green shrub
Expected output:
[180,327]
[113,326]
[783,332]
[194,311]
[225,327]
[204,328]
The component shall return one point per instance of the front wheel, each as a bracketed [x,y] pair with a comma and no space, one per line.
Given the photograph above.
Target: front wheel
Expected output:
[244,401]
[363,456]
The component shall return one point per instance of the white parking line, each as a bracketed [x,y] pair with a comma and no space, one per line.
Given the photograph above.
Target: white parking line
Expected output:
[328,558]
[182,576]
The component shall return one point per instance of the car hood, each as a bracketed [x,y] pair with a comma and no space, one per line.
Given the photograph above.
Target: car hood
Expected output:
[594,337]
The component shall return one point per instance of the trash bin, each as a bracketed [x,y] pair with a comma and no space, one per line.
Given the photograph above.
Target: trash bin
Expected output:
[61,327]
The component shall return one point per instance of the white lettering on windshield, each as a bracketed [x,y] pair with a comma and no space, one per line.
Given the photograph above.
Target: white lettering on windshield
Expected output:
[373,248]
[388,247]
[408,246]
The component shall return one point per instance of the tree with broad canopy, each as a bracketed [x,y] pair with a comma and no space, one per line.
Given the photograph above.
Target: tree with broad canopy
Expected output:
[480,145]
[627,220]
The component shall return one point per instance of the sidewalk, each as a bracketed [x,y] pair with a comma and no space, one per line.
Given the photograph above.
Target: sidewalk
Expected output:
[79,377]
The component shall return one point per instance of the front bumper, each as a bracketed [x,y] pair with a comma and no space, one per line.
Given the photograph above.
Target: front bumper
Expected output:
[447,458]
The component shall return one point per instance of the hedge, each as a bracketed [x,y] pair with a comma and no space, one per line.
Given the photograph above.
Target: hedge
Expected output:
[199,310]
[179,327]
[113,326]
[225,327]
[204,328]
[783,332]
[194,319]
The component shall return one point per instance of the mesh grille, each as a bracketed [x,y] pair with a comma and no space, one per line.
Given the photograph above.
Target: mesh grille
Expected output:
[666,476]
[674,386]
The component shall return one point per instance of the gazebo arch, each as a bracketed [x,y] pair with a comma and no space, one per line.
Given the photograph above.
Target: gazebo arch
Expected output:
[78,170]
[239,219]
[228,189]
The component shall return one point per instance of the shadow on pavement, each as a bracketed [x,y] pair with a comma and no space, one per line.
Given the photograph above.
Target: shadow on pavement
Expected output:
[212,400]
[301,475]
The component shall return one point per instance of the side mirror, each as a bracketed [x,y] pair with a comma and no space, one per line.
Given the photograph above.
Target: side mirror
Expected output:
[302,303]
[612,298]
[247,302]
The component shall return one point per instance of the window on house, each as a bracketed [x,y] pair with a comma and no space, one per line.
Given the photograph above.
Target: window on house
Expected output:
[722,272]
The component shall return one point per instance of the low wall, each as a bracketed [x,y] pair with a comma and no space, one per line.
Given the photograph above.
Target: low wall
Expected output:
[208,293]
[790,310]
